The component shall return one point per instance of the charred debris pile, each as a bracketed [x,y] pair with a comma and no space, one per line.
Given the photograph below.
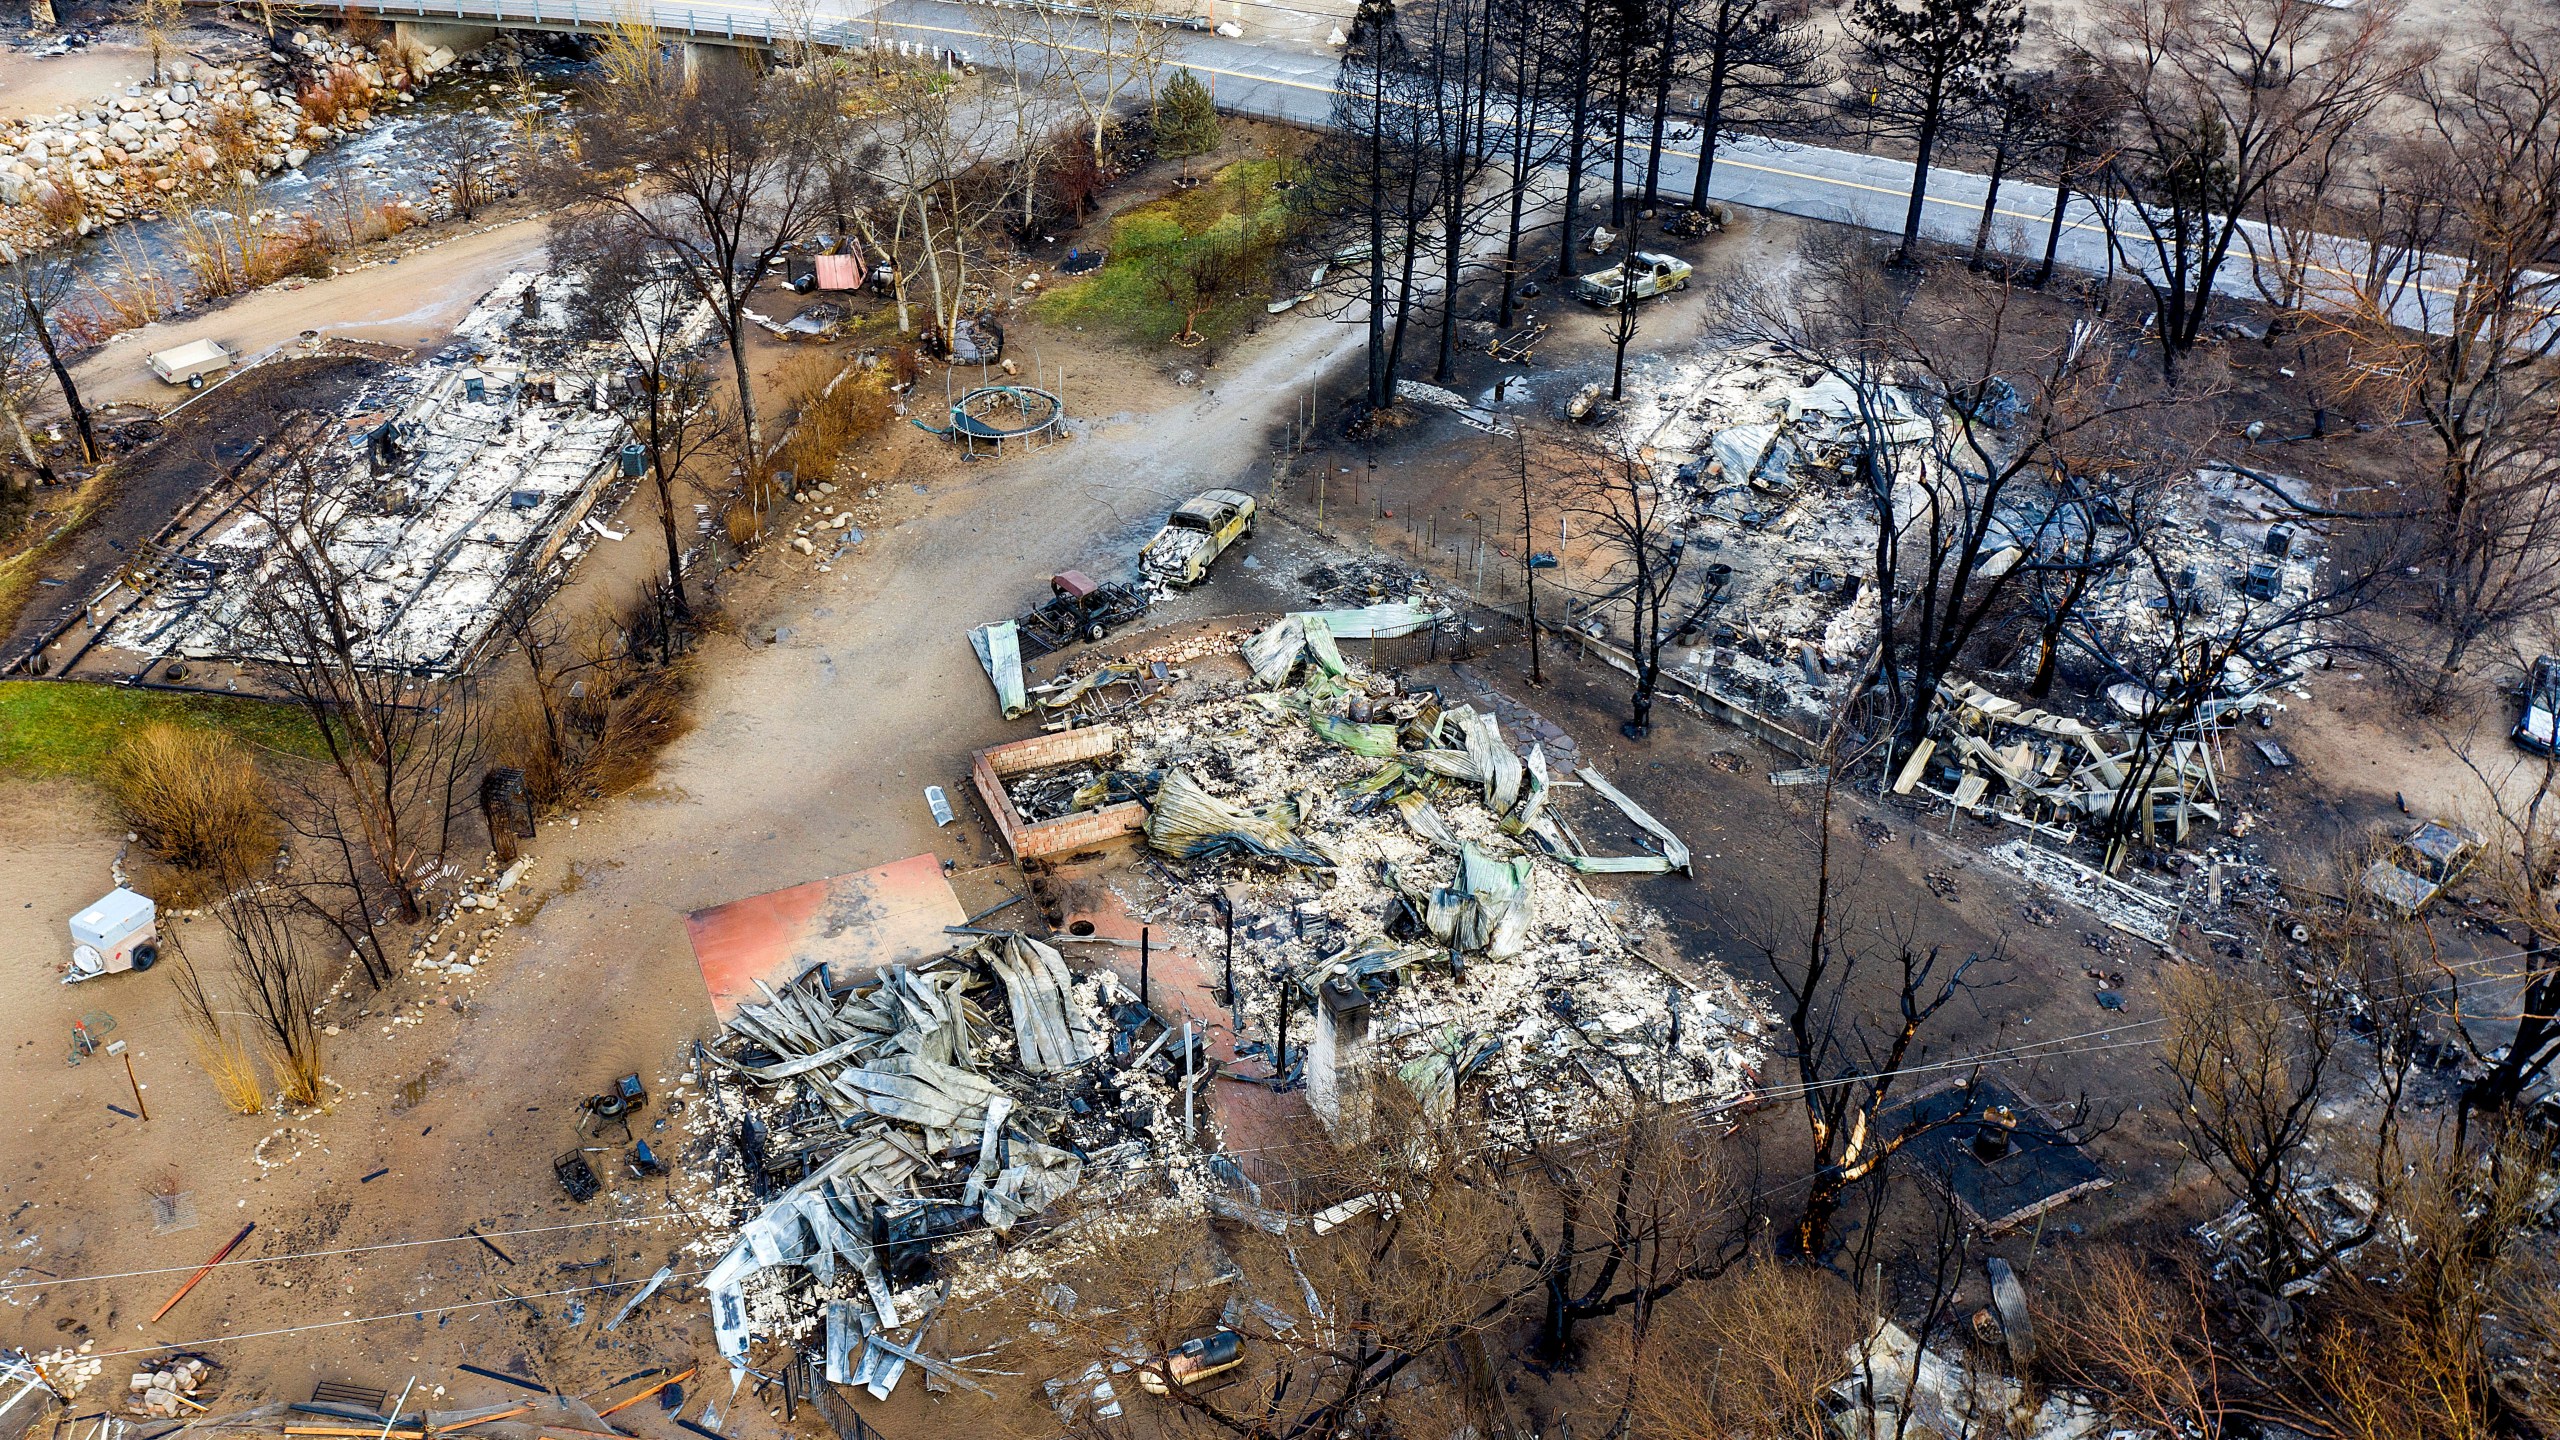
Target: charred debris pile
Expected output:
[880,1131]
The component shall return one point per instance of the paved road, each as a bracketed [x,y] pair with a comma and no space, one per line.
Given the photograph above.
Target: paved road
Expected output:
[1283,78]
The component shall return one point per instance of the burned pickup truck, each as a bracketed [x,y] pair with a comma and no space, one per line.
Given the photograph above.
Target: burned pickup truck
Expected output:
[1078,608]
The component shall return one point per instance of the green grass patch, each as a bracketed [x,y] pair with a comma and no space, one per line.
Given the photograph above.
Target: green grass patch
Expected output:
[1242,210]
[60,727]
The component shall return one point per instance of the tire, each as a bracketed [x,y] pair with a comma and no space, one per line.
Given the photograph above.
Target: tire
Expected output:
[145,955]
[195,382]
[1094,630]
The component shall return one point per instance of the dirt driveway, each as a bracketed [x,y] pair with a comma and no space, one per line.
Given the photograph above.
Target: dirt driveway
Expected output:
[412,301]
[818,729]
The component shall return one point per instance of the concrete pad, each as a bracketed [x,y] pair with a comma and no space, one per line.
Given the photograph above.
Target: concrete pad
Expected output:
[891,915]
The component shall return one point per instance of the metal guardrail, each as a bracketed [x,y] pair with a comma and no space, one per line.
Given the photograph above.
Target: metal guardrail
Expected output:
[688,20]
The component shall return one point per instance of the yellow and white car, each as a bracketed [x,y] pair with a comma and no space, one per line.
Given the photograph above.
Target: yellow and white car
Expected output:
[1195,535]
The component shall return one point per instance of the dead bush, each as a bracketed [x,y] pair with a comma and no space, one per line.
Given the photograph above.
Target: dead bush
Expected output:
[62,206]
[594,709]
[330,98]
[196,800]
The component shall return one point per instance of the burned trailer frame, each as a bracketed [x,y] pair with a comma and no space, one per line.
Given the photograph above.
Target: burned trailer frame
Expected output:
[1078,608]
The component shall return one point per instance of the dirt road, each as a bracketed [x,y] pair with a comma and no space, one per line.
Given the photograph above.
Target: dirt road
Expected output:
[818,729]
[412,301]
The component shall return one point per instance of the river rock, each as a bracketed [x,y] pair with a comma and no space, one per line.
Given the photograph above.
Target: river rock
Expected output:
[295,156]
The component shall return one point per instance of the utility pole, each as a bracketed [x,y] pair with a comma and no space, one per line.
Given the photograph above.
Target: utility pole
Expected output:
[1528,558]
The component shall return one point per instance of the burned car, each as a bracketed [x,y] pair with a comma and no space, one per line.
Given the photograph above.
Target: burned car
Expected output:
[2417,869]
[1195,535]
[2534,721]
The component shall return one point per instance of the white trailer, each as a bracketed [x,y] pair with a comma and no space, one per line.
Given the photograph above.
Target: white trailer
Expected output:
[118,933]
[188,364]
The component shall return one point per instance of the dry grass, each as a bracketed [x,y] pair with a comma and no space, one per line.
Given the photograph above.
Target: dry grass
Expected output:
[225,1057]
[233,1071]
[197,801]
[835,408]
[62,207]
[230,253]
[131,293]
[298,1071]
[330,99]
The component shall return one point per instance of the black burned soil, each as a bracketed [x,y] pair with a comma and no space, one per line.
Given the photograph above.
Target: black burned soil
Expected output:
[153,484]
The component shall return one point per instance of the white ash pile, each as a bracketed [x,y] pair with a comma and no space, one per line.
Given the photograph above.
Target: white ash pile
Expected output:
[168,1392]
[443,492]
[1386,854]
[1754,454]
[910,1120]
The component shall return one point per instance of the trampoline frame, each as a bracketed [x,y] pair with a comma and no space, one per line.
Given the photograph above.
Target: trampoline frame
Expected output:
[969,423]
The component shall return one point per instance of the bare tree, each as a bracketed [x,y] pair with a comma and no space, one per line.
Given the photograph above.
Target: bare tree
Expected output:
[159,20]
[2450,320]
[1618,1219]
[1623,316]
[723,172]
[466,150]
[2221,100]
[631,303]
[1526,79]
[2141,1329]
[20,365]
[38,285]
[1635,524]
[2216,633]
[2512,1033]
[1099,56]
[2254,1062]
[277,980]
[1755,1355]
[933,141]
[396,747]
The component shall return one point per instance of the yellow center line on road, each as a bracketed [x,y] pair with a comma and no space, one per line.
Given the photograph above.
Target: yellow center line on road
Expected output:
[1777,171]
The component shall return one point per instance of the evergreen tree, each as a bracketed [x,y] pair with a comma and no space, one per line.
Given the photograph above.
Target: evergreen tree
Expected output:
[1186,121]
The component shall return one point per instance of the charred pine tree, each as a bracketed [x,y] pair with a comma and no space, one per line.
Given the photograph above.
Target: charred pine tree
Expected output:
[1756,62]
[1370,187]
[1929,64]
[1529,61]
[1457,62]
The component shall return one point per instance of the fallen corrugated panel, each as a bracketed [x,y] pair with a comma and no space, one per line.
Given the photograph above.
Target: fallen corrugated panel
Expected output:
[1672,848]
[999,648]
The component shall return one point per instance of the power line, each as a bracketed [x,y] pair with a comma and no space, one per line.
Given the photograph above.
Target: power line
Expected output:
[473,1235]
